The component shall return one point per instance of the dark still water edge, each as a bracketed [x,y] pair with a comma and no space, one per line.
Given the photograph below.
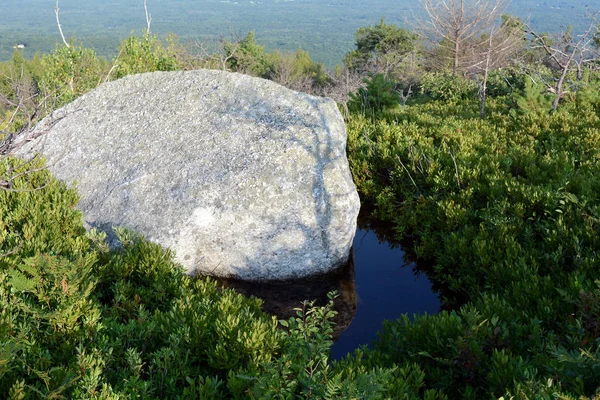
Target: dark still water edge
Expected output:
[376,285]
[386,287]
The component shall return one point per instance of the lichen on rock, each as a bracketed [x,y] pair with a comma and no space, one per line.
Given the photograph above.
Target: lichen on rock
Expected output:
[239,176]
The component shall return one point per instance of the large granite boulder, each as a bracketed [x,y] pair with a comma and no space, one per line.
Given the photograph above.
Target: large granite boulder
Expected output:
[241,177]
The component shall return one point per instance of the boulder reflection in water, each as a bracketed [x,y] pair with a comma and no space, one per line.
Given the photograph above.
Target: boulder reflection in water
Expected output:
[281,297]
[377,286]
[386,288]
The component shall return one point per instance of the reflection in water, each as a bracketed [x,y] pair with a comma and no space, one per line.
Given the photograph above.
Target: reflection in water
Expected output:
[281,297]
[386,288]
[376,286]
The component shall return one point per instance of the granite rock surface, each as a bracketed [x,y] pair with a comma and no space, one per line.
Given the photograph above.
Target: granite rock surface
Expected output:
[239,176]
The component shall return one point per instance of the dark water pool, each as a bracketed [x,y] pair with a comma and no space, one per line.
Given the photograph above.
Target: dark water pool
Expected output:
[377,285]
[386,287]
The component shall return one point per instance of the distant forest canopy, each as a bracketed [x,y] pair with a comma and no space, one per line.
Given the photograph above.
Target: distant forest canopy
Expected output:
[325,28]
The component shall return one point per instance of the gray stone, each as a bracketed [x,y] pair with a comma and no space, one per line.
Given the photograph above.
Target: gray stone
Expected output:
[241,177]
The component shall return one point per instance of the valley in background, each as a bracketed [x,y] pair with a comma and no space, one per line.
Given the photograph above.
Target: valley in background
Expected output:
[324,28]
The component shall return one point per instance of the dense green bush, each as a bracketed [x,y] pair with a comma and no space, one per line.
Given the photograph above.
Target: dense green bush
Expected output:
[505,211]
[78,320]
[248,57]
[377,96]
[69,72]
[382,48]
[447,87]
[146,53]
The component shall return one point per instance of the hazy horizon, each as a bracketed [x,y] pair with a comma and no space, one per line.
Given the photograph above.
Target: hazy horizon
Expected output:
[323,27]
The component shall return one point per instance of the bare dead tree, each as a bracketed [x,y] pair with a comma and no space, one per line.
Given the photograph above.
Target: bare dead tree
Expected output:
[569,55]
[148,17]
[23,103]
[341,85]
[28,106]
[211,54]
[284,70]
[287,73]
[493,52]
[56,10]
[404,95]
[454,24]
[214,53]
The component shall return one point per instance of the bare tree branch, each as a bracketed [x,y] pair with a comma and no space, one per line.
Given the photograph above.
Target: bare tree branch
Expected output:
[112,68]
[148,17]
[14,250]
[217,57]
[454,24]
[341,85]
[568,55]
[494,52]
[56,10]
[404,97]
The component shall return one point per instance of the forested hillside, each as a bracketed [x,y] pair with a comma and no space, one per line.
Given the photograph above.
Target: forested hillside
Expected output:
[479,143]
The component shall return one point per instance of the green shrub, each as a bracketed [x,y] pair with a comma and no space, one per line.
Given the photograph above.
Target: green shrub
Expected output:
[505,211]
[377,96]
[382,48]
[70,72]
[248,57]
[80,321]
[37,211]
[146,53]
[448,88]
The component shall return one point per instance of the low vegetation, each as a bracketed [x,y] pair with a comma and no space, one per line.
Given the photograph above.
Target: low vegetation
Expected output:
[504,211]
[80,321]
[495,187]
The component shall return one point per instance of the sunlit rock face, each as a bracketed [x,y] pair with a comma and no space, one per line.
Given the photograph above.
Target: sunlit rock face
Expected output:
[239,176]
